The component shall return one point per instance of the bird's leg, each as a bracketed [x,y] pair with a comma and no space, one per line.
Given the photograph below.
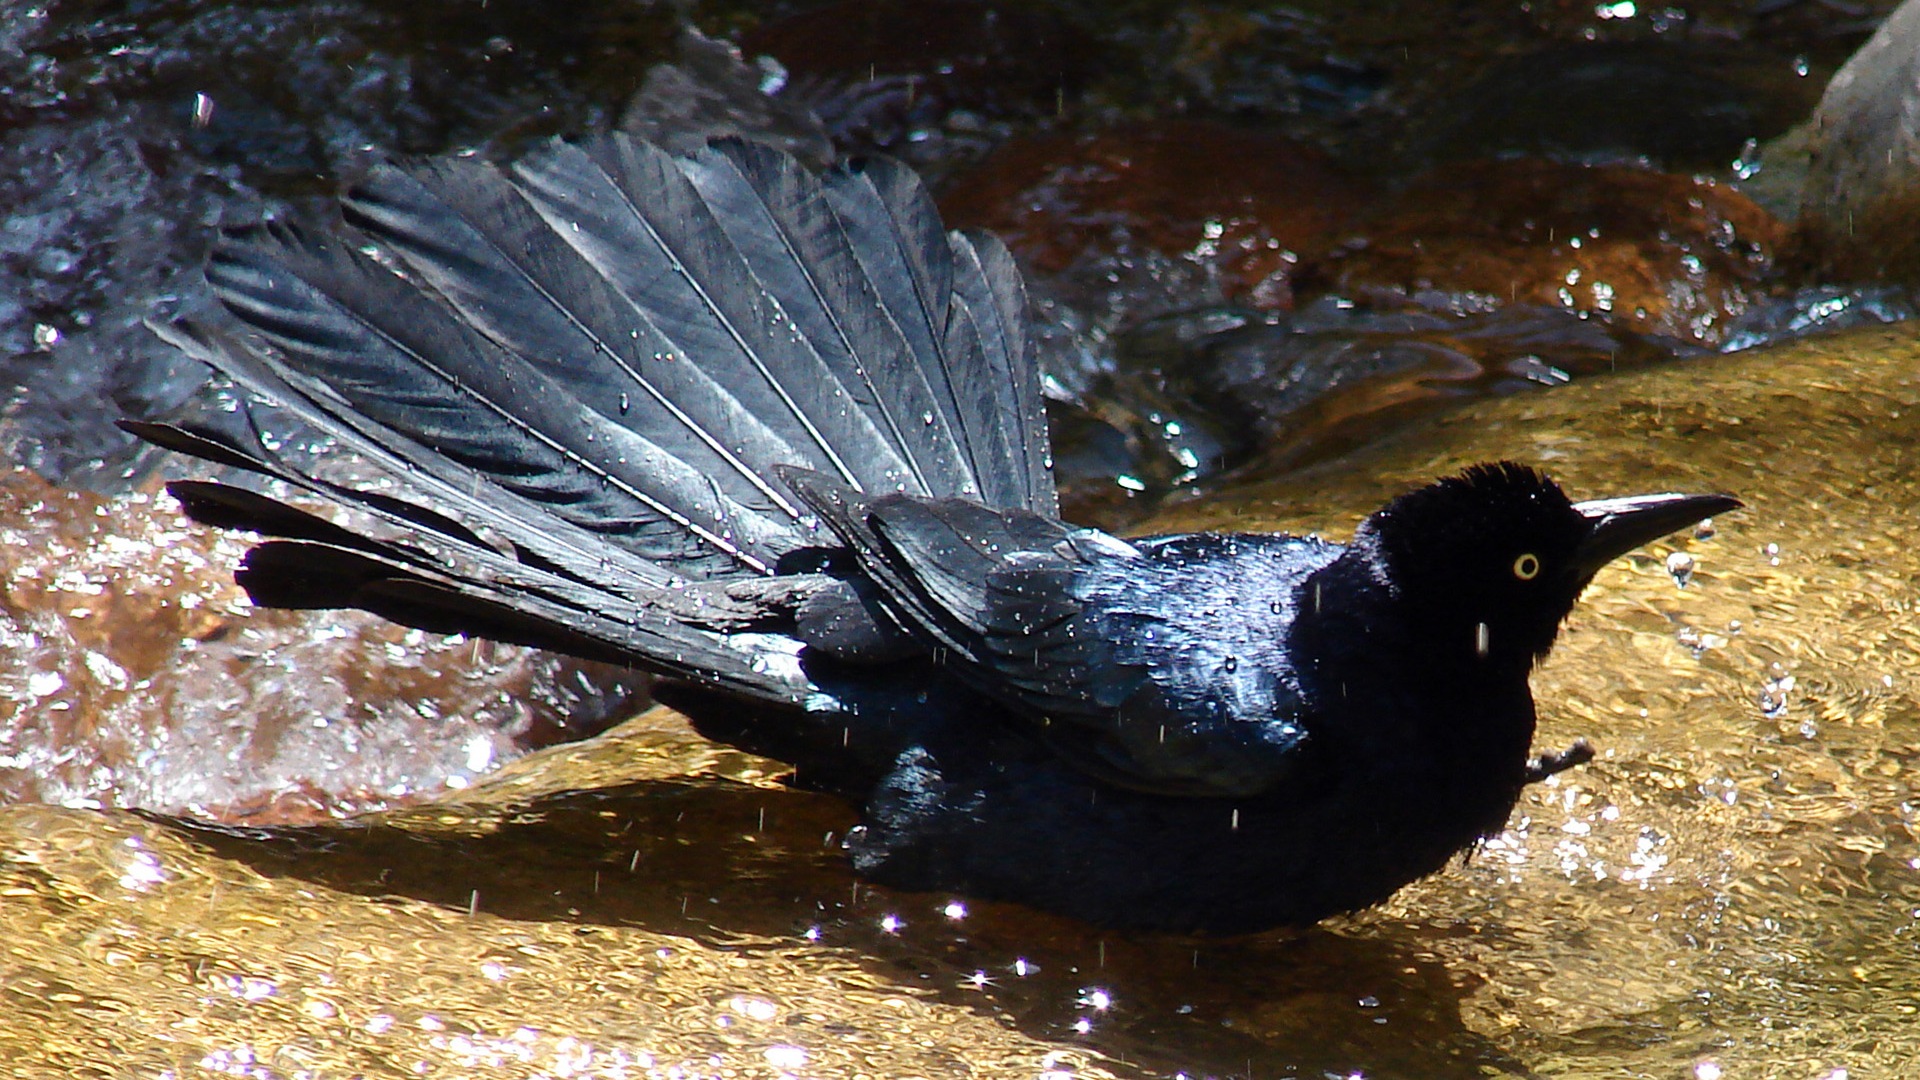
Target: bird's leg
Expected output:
[1539,769]
[1559,761]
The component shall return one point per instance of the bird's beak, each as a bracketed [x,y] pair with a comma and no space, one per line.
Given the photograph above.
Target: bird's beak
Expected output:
[1617,526]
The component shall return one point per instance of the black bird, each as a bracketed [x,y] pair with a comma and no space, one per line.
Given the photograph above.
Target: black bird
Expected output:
[779,436]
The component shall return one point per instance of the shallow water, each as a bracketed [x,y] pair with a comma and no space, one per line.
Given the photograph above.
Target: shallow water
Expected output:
[1734,879]
[133,672]
[1730,889]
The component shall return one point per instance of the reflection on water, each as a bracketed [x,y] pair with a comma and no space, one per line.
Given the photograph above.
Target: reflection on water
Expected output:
[1729,889]
[220,969]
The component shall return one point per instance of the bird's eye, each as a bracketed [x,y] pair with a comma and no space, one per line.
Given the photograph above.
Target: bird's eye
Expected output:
[1527,567]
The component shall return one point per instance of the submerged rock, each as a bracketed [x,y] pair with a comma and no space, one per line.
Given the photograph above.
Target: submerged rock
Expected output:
[1107,209]
[1654,253]
[1292,389]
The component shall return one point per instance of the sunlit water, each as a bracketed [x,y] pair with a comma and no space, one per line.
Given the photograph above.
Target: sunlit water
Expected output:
[1729,890]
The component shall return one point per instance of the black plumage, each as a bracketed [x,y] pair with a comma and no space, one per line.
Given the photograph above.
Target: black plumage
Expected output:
[779,436]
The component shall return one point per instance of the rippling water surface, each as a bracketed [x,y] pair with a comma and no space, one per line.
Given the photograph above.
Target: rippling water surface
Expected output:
[1730,890]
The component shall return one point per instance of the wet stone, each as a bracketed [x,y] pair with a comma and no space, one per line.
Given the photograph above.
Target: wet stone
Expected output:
[1860,209]
[1240,206]
[1659,254]
[1291,389]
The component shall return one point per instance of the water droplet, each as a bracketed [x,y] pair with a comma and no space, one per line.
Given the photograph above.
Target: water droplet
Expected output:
[1680,565]
[1773,700]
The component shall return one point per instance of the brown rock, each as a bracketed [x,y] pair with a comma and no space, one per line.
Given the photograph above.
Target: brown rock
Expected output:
[1657,253]
[1860,206]
[1245,202]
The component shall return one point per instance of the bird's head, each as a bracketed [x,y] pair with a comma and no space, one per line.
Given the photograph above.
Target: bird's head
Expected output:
[1487,563]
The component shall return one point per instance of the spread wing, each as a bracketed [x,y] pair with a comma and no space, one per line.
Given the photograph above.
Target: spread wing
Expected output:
[577,374]
[1138,659]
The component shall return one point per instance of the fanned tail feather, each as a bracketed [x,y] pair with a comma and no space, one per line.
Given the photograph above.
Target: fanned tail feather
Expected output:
[582,375]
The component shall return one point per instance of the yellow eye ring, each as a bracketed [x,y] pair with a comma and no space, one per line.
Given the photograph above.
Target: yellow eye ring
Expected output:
[1527,567]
